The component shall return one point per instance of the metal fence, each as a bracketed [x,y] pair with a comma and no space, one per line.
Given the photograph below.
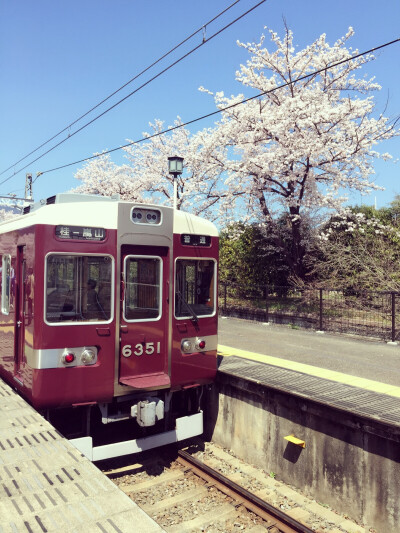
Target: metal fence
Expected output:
[368,313]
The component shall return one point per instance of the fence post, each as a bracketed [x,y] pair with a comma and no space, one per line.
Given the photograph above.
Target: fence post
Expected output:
[266,304]
[320,309]
[393,316]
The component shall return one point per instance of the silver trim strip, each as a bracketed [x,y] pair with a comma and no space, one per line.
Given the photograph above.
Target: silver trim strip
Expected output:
[53,358]
[211,343]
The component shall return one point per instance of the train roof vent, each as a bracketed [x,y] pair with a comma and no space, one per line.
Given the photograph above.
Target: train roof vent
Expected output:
[26,210]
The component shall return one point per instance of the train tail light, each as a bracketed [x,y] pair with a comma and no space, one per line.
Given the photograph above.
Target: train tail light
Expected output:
[68,358]
[200,344]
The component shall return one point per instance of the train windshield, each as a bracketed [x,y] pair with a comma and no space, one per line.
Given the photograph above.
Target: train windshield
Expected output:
[78,288]
[195,288]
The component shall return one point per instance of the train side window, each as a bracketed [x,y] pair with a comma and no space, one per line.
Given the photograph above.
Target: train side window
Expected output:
[195,288]
[78,288]
[143,277]
[7,273]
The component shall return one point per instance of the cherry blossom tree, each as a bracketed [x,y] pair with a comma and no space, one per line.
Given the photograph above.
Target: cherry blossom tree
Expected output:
[102,176]
[309,139]
[6,214]
[9,209]
[199,186]
[305,142]
[146,176]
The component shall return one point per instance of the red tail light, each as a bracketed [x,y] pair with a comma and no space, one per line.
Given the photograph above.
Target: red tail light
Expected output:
[68,357]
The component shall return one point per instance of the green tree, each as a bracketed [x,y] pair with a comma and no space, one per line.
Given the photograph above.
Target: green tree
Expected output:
[240,258]
[255,255]
[359,249]
[395,210]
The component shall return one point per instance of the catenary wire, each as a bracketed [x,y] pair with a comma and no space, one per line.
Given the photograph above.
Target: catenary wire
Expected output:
[120,89]
[133,92]
[221,110]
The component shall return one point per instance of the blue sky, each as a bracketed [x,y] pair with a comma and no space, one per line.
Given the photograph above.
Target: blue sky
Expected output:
[58,59]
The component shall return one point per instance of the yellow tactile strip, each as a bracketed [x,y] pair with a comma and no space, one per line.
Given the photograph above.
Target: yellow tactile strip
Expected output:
[332,375]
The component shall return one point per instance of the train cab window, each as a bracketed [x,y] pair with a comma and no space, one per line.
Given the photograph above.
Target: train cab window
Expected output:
[7,280]
[78,288]
[143,277]
[195,288]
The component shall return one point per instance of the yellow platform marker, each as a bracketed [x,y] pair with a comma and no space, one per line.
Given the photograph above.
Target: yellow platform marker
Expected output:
[295,440]
[332,375]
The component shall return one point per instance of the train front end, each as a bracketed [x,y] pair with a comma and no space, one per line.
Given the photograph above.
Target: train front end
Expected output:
[166,310]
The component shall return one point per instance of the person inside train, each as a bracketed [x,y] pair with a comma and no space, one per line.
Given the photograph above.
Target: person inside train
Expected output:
[93,306]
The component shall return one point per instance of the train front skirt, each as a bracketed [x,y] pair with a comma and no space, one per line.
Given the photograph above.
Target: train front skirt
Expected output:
[186,427]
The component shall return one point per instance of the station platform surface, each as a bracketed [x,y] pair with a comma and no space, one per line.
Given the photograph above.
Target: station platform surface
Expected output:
[356,375]
[47,485]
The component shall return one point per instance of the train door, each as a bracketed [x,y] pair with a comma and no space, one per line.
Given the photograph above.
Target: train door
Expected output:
[19,311]
[144,317]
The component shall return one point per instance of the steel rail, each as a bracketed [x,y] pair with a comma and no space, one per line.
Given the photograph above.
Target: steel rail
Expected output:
[253,503]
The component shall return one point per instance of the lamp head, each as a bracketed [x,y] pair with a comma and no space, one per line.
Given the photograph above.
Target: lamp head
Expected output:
[175,165]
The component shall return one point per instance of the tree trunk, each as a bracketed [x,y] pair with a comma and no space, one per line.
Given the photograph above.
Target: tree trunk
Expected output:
[297,251]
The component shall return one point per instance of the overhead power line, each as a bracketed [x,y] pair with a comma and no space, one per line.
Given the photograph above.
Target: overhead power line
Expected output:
[221,110]
[122,86]
[205,40]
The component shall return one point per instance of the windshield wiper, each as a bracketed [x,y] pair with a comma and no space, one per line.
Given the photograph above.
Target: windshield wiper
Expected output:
[194,317]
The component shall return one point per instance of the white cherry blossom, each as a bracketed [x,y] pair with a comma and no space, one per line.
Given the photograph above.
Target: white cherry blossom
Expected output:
[303,143]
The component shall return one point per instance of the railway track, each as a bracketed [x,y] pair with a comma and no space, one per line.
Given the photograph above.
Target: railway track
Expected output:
[274,519]
[183,494]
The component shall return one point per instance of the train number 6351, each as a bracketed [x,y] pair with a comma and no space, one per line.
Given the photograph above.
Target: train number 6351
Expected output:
[139,349]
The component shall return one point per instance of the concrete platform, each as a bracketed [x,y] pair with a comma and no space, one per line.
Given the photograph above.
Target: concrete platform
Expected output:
[290,387]
[48,485]
[338,444]
[365,398]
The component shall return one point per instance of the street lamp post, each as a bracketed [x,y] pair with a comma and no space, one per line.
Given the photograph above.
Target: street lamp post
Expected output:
[175,167]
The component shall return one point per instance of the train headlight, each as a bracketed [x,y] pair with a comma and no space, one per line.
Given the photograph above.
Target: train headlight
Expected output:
[88,357]
[68,357]
[186,346]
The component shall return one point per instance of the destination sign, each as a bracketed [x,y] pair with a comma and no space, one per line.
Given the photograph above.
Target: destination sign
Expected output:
[81,233]
[195,240]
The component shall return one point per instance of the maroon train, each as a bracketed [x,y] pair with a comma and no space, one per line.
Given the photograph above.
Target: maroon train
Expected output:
[109,314]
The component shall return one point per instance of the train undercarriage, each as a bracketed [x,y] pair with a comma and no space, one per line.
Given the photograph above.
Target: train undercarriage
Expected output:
[131,424]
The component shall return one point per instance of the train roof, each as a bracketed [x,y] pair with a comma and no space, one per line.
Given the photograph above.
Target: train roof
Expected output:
[99,211]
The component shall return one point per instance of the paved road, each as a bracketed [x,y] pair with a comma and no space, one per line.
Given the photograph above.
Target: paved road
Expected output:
[363,358]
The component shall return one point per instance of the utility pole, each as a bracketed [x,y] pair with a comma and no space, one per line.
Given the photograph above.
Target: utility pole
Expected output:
[28,186]
[11,201]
